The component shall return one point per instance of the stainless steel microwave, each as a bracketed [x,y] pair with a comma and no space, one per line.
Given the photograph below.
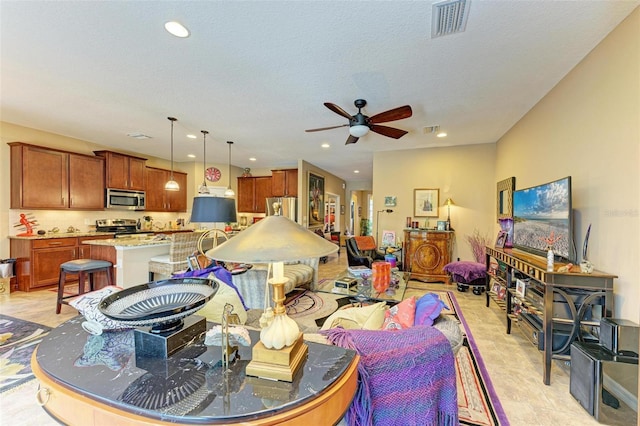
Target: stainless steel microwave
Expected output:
[119,199]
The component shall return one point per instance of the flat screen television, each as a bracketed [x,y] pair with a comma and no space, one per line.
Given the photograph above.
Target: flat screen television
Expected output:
[540,210]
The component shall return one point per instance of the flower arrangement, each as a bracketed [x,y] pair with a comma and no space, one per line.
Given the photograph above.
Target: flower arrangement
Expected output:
[478,245]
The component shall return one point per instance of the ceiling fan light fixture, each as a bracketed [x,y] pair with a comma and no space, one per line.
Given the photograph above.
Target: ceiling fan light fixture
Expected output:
[358,130]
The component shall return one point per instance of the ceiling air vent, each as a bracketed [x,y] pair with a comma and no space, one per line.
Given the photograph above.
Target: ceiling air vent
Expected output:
[449,17]
[138,135]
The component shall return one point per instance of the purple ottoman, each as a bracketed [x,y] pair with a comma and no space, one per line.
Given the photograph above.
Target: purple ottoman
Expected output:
[468,274]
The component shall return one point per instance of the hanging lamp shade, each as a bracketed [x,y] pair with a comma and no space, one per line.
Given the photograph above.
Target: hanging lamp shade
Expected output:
[204,189]
[213,209]
[172,185]
[229,192]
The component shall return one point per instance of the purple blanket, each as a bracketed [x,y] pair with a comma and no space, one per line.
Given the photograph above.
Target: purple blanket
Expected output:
[405,377]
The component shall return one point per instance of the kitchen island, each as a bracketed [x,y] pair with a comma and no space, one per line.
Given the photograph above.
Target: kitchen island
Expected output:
[130,257]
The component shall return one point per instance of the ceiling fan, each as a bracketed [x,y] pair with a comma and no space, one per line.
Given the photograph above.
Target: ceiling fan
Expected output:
[360,124]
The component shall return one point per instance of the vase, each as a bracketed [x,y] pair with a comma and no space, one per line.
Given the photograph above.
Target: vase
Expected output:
[550,260]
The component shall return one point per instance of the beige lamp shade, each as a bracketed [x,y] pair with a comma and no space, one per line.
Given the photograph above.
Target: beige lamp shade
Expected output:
[273,239]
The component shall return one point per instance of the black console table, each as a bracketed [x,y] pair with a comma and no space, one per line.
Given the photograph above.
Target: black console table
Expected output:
[91,380]
[549,302]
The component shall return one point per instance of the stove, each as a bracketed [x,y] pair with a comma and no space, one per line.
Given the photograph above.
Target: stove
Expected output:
[119,226]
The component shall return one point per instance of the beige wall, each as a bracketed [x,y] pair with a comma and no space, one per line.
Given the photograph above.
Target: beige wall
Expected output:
[464,173]
[588,127]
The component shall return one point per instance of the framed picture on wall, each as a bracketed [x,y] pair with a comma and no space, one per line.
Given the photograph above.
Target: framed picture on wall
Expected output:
[425,202]
[316,200]
[390,201]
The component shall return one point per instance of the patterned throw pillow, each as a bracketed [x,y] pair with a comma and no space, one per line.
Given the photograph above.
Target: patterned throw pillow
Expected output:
[87,305]
[400,316]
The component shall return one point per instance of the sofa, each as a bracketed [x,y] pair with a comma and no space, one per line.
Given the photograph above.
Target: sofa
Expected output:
[252,283]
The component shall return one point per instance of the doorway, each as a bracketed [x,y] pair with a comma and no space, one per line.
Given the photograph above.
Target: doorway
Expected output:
[332,214]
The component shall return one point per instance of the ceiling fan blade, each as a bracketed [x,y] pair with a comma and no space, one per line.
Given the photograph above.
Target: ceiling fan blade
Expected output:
[335,108]
[392,115]
[351,139]
[388,131]
[326,128]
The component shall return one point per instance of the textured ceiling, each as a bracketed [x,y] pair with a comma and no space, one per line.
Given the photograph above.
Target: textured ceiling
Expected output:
[258,72]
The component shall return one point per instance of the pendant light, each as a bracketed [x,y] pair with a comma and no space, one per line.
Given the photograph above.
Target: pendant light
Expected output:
[229,192]
[172,185]
[204,189]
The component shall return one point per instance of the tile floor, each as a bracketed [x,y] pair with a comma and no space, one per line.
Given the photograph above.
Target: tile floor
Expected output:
[514,365]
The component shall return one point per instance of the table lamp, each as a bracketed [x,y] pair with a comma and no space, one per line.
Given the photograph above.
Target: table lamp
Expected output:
[275,240]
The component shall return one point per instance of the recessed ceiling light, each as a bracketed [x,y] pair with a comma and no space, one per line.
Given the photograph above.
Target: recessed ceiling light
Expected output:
[138,135]
[325,145]
[176,29]
[442,134]
[191,156]
[252,159]
[356,171]
[190,136]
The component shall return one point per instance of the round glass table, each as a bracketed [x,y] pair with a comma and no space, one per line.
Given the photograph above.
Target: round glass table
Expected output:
[89,380]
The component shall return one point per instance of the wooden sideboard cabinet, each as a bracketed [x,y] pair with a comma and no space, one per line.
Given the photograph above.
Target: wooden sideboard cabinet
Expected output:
[45,178]
[426,252]
[38,260]
[123,171]
[284,183]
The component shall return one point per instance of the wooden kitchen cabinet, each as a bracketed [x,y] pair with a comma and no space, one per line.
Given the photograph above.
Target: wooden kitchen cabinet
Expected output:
[252,193]
[284,183]
[160,200]
[38,260]
[123,171]
[426,253]
[44,178]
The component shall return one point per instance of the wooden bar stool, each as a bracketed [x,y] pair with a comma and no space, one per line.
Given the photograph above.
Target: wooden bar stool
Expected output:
[82,267]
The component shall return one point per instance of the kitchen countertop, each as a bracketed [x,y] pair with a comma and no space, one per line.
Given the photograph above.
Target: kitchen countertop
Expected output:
[50,235]
[128,242]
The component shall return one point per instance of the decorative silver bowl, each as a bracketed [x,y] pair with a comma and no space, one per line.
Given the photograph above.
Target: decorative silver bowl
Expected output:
[160,305]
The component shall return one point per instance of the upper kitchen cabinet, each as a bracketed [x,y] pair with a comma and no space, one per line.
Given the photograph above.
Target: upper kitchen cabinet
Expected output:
[284,183]
[123,171]
[45,178]
[161,200]
[252,194]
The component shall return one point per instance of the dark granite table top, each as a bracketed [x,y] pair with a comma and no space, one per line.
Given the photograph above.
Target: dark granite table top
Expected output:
[189,387]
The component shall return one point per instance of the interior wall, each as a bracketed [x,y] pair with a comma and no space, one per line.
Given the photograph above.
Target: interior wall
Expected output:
[332,184]
[464,173]
[588,127]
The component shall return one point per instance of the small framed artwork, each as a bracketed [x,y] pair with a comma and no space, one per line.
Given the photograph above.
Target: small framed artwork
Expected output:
[425,202]
[390,201]
[521,288]
[442,225]
[501,239]
[342,209]
[194,265]
[388,238]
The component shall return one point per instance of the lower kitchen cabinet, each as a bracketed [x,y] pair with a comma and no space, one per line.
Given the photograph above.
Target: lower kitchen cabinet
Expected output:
[38,260]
